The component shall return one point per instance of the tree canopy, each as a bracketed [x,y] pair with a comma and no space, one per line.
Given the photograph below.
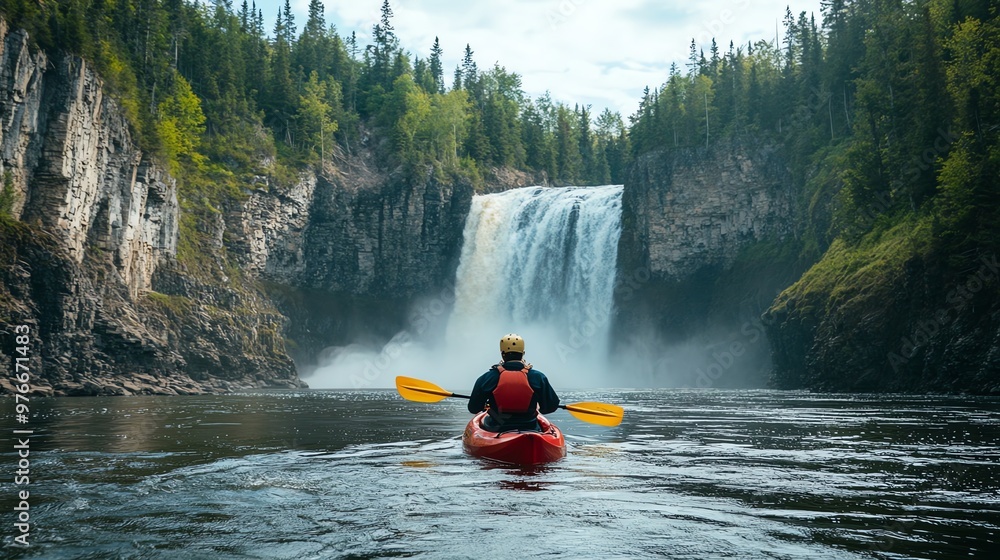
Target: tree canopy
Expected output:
[884,104]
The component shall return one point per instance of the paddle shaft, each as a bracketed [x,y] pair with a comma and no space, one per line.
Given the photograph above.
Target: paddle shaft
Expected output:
[456,395]
[602,414]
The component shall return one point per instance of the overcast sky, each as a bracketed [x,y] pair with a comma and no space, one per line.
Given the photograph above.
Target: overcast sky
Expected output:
[597,52]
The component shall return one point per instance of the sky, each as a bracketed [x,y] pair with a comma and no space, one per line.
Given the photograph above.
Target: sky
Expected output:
[597,52]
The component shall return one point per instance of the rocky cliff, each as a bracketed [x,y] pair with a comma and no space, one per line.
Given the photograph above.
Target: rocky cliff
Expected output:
[89,238]
[704,249]
[345,253]
[889,315]
[72,167]
[90,234]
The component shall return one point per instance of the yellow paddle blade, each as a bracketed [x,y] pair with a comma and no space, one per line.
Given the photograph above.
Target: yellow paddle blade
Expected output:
[420,391]
[602,414]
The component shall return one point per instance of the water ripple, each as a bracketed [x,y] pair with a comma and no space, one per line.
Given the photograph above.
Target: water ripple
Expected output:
[687,475]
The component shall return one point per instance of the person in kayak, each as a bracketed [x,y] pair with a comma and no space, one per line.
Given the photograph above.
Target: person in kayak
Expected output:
[514,390]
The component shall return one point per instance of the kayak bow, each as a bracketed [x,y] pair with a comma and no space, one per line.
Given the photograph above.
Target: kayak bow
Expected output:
[516,447]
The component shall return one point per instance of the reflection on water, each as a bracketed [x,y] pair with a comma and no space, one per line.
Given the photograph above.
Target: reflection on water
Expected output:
[364,474]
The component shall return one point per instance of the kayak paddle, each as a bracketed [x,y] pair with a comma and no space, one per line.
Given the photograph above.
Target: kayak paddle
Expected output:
[602,414]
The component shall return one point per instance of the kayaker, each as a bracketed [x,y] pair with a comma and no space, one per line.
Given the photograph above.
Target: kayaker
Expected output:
[514,390]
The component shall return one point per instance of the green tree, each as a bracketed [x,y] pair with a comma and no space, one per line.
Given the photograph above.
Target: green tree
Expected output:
[385,46]
[436,67]
[288,30]
[447,125]
[312,50]
[589,165]
[612,138]
[971,194]
[280,100]
[180,123]
[316,115]
[414,108]
[567,145]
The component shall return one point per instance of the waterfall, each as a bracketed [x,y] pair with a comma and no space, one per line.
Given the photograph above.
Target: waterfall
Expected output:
[540,262]
[536,261]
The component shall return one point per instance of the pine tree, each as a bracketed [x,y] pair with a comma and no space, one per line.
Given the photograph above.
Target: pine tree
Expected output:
[715,61]
[588,161]
[470,74]
[289,28]
[312,51]
[384,49]
[280,104]
[245,17]
[567,145]
[692,64]
[436,68]
[316,114]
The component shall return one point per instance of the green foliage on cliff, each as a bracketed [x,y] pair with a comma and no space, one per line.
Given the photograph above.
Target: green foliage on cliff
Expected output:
[889,112]
[223,103]
[918,216]
[886,109]
[179,306]
[319,94]
[6,196]
[943,197]
[853,276]
[180,124]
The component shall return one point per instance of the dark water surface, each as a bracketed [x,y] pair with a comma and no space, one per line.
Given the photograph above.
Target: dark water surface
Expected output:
[363,474]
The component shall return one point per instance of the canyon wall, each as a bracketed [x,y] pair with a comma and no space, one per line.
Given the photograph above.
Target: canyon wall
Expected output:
[704,250]
[90,238]
[893,319]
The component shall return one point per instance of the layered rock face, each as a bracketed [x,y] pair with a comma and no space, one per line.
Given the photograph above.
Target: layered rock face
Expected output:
[346,253]
[692,209]
[92,228]
[266,231]
[394,241]
[690,218]
[89,184]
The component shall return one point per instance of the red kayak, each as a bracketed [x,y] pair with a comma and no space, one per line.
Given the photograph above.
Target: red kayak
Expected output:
[519,448]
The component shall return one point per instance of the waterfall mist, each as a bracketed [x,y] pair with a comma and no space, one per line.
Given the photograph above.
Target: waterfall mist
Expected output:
[536,261]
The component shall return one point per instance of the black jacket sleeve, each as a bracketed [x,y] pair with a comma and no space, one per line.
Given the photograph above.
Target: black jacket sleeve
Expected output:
[477,401]
[548,401]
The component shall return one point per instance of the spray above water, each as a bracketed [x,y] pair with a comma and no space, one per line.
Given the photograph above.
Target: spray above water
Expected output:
[536,261]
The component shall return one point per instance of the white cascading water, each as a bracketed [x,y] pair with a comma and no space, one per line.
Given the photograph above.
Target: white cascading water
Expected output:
[536,261]
[540,262]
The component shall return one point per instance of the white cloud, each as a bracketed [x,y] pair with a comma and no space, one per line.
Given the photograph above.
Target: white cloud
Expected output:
[594,52]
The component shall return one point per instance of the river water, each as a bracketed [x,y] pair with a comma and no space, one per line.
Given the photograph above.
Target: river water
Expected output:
[364,474]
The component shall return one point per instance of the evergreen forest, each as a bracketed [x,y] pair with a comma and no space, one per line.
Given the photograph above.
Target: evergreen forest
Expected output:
[888,111]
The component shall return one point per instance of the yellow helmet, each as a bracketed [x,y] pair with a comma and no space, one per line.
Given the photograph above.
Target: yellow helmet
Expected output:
[511,343]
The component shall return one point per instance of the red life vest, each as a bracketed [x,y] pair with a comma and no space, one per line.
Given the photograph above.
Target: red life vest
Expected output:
[513,393]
